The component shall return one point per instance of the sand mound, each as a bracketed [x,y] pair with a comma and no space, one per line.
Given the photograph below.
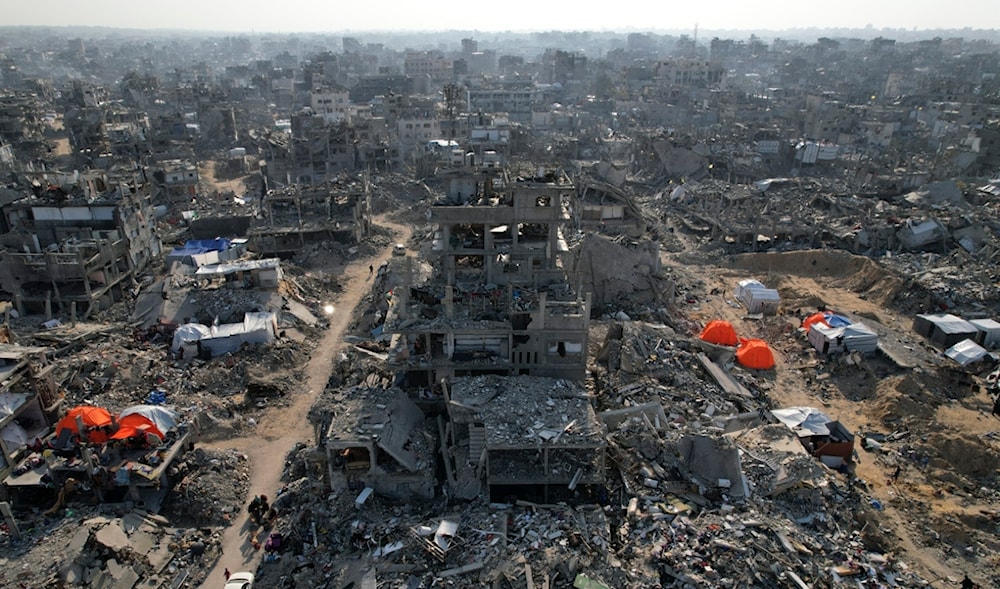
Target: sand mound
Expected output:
[810,263]
[965,454]
[855,273]
[901,398]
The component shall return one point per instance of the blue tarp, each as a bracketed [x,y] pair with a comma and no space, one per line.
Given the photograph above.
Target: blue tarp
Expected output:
[834,320]
[200,246]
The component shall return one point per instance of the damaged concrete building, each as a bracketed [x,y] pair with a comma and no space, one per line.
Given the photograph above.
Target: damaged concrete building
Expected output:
[300,214]
[525,436]
[382,445]
[77,242]
[501,301]
[29,401]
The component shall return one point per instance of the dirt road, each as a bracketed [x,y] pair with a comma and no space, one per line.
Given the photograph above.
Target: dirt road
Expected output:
[281,428]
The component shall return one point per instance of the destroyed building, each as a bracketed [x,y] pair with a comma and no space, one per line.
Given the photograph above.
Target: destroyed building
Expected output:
[501,301]
[77,242]
[382,445]
[300,214]
[523,436]
[29,401]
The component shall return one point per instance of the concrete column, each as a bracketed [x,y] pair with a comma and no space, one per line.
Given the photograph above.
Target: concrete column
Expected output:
[553,245]
[449,302]
[446,237]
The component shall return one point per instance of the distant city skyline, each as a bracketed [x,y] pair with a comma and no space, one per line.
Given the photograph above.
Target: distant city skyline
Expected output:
[308,16]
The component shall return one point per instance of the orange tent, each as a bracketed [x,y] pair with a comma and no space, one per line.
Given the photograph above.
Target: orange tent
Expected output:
[813,319]
[755,353]
[719,332]
[145,420]
[91,417]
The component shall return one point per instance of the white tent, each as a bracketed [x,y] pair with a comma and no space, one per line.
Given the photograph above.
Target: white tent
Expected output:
[187,337]
[757,297]
[966,352]
[256,328]
[164,419]
[856,337]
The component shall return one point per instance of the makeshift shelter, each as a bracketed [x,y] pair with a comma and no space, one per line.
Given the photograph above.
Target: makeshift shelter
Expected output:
[144,420]
[989,332]
[187,336]
[756,354]
[944,329]
[827,318]
[197,339]
[719,332]
[855,337]
[93,418]
[758,298]
[746,285]
[966,352]
[821,435]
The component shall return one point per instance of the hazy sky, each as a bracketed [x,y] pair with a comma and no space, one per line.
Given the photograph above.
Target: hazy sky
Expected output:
[502,15]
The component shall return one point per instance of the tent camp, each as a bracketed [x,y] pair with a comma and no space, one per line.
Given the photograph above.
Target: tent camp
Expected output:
[143,420]
[966,352]
[91,417]
[757,297]
[855,337]
[820,435]
[719,332]
[195,338]
[755,353]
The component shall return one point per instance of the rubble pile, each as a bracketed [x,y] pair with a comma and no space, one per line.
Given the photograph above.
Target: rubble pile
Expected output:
[210,487]
[112,544]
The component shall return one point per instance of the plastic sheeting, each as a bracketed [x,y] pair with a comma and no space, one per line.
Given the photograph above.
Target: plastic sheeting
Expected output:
[158,418]
[804,420]
[256,328]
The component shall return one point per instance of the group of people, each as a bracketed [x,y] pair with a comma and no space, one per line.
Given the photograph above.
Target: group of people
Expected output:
[260,511]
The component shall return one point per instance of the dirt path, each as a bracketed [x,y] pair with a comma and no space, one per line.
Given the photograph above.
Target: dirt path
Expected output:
[281,428]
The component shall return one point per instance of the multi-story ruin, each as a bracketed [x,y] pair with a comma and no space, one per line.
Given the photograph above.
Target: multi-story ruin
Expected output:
[501,301]
[76,242]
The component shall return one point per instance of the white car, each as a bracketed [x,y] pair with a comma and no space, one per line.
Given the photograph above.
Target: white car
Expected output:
[399,250]
[241,580]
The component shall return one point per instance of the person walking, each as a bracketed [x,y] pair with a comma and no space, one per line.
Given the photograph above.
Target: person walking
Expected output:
[226,574]
[371,270]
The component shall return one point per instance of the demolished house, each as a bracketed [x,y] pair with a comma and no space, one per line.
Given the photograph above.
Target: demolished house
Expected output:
[29,401]
[522,436]
[381,444]
[301,214]
[501,301]
[77,242]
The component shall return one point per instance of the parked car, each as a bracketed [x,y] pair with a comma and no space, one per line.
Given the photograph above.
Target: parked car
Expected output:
[399,250]
[241,580]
